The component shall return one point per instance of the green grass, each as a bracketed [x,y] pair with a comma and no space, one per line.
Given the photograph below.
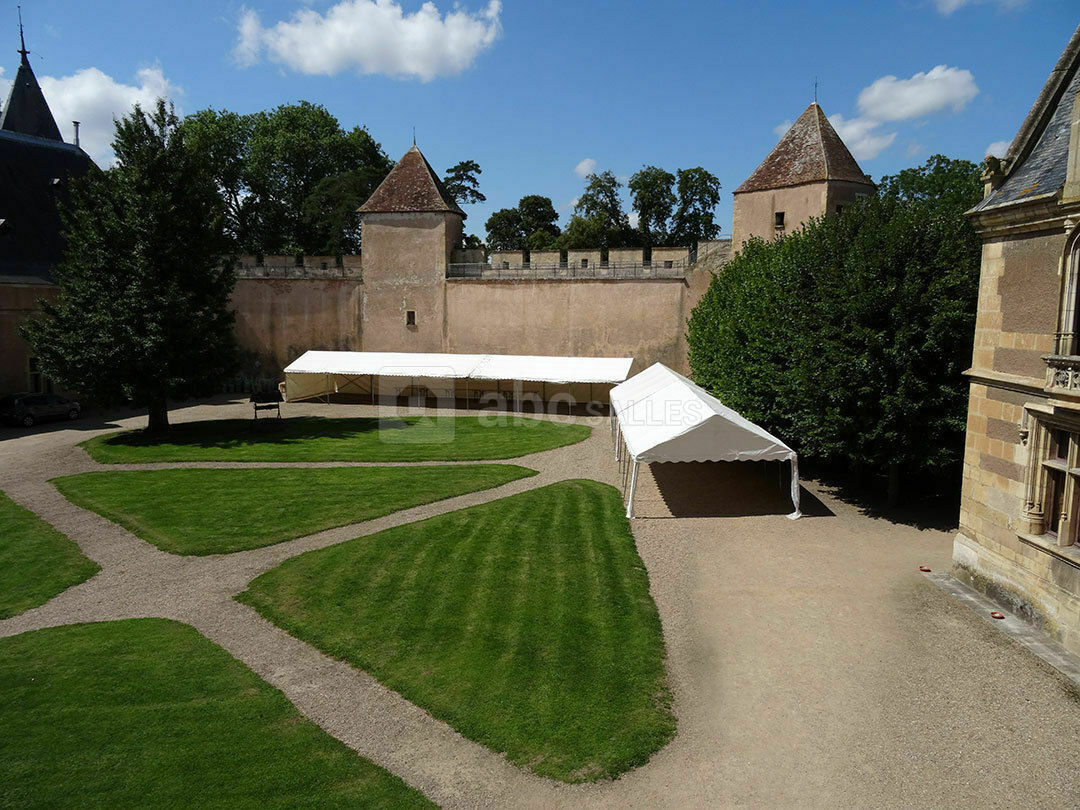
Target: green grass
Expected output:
[444,438]
[525,623]
[207,511]
[36,561]
[148,713]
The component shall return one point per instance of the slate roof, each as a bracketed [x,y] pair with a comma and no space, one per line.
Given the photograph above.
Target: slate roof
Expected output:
[26,111]
[1038,157]
[411,187]
[809,152]
[30,242]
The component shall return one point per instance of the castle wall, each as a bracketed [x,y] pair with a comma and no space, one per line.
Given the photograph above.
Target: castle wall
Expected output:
[280,319]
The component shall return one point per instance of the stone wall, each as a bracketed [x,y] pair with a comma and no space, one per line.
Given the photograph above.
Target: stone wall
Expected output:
[18,302]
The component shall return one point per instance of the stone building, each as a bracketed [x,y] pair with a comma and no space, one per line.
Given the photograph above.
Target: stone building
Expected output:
[415,290]
[35,164]
[809,173]
[1020,508]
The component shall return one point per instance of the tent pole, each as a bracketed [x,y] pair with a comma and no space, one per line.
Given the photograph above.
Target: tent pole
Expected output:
[618,441]
[371,385]
[633,489]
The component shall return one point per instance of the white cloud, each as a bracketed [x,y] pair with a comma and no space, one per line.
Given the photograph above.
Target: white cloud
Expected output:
[635,218]
[372,36]
[947,7]
[5,85]
[893,99]
[585,168]
[913,150]
[94,98]
[781,129]
[861,136]
[997,149]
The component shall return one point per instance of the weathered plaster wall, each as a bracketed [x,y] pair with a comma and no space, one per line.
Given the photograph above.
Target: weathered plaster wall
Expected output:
[754,212]
[18,302]
[405,259]
[280,319]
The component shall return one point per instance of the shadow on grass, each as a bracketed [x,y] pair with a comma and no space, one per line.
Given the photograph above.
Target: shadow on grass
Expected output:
[230,433]
[728,489]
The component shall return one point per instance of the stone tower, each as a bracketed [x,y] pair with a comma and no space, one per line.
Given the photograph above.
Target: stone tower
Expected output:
[809,173]
[411,226]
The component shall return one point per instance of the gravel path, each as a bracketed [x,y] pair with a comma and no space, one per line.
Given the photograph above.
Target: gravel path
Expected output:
[810,663]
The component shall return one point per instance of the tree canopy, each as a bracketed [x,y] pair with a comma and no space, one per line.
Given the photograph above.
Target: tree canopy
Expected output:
[463,183]
[848,338]
[654,201]
[698,196]
[143,309]
[291,178]
[532,225]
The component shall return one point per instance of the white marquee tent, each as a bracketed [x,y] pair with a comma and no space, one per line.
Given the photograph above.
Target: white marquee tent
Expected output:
[661,416]
[320,373]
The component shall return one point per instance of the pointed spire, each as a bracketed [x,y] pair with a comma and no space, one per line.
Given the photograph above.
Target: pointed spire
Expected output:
[810,152]
[26,110]
[22,40]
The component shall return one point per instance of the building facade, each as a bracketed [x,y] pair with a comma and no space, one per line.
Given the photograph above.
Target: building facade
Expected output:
[1020,508]
[809,173]
[35,165]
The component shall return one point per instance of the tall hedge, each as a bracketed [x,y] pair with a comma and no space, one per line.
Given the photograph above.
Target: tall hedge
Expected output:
[848,338]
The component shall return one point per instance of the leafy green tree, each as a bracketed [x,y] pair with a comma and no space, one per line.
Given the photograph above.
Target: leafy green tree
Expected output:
[601,203]
[504,230]
[531,225]
[473,242]
[586,232]
[849,338]
[143,310]
[221,140]
[463,184]
[330,211]
[538,215]
[654,201]
[699,194]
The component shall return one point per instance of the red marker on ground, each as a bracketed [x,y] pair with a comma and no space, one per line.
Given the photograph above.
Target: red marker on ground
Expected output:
[925,569]
[996,615]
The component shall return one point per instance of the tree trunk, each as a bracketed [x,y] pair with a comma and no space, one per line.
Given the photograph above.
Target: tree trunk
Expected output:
[894,484]
[158,411]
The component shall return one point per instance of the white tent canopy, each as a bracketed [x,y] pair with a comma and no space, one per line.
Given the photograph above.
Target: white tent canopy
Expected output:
[318,373]
[662,416]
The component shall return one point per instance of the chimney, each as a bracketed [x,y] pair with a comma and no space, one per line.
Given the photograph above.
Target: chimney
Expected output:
[76,123]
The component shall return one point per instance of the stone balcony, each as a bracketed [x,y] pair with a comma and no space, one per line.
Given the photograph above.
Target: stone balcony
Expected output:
[1062,374]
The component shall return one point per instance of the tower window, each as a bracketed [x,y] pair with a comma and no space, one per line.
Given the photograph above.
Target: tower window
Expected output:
[779,220]
[668,265]
[410,317]
[584,262]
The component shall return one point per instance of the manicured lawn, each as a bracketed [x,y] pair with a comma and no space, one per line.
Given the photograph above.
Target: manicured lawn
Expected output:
[36,561]
[205,511]
[525,623]
[148,713]
[445,438]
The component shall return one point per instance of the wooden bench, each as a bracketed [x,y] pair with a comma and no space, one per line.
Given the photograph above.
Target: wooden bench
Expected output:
[266,401]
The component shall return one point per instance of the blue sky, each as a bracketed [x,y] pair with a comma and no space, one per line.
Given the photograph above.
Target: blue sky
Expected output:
[530,89]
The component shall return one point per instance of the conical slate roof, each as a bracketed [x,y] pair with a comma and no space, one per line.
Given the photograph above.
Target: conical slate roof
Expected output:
[411,187]
[26,111]
[809,152]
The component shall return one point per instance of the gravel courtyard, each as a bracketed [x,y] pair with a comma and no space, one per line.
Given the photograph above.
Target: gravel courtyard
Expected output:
[811,663]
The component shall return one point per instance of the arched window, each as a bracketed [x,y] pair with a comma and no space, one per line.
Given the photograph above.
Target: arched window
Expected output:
[1068,338]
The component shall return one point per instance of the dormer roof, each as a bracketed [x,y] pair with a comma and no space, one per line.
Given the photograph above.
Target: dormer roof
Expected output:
[412,187]
[809,152]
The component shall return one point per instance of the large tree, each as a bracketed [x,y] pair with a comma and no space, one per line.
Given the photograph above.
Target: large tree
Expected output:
[698,196]
[143,310]
[531,225]
[653,199]
[849,338]
[463,183]
[289,176]
[599,220]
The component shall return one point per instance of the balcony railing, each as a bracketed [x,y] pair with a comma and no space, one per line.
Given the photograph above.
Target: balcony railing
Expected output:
[603,270]
[1063,373]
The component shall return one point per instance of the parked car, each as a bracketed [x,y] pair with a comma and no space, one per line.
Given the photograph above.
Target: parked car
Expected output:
[29,409]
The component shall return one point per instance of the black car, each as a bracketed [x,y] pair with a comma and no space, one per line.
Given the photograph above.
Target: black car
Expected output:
[28,409]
